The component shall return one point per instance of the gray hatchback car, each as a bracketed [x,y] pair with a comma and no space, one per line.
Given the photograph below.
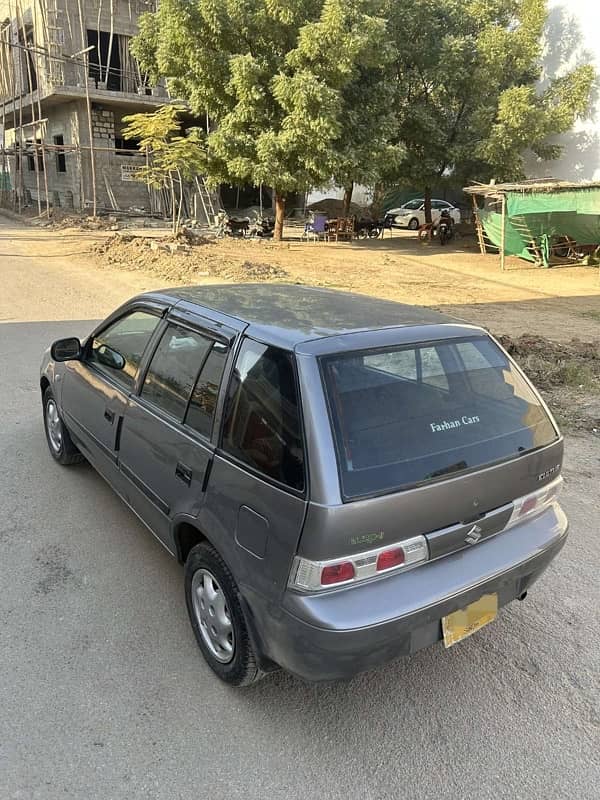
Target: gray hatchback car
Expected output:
[346,480]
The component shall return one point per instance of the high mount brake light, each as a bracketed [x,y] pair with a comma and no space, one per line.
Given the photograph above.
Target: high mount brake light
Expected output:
[313,576]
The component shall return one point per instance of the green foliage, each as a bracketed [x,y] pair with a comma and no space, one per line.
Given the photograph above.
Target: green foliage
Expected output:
[173,157]
[302,91]
[295,89]
[466,75]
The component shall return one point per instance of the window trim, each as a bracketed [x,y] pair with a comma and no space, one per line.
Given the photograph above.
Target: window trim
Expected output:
[243,465]
[184,422]
[153,310]
[215,336]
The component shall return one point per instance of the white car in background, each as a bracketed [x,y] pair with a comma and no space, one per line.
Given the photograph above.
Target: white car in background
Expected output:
[412,213]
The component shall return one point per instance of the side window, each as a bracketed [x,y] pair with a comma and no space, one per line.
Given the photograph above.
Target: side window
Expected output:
[262,416]
[401,363]
[485,368]
[117,350]
[432,370]
[173,369]
[201,410]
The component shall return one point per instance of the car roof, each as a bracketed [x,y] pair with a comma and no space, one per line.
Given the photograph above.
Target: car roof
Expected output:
[287,315]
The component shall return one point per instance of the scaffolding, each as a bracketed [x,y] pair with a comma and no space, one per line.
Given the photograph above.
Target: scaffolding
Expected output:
[33,66]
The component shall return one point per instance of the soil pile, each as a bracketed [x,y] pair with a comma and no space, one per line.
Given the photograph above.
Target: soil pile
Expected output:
[178,261]
[567,374]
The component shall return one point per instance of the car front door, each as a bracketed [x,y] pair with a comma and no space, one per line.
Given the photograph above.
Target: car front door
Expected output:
[165,449]
[95,388]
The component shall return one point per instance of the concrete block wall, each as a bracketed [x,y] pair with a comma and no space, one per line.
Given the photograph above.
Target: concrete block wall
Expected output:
[127,193]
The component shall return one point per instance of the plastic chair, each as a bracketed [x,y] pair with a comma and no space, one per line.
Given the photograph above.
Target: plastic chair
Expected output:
[316,227]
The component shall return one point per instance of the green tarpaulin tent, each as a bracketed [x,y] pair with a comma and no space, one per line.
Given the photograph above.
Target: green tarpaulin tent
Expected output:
[539,216]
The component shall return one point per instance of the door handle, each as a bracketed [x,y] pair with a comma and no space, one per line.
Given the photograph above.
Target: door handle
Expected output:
[183,473]
[109,415]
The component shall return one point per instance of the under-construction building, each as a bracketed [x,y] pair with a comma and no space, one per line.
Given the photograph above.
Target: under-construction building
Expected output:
[67,79]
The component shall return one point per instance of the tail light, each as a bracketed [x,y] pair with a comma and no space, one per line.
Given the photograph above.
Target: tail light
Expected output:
[337,573]
[535,503]
[315,575]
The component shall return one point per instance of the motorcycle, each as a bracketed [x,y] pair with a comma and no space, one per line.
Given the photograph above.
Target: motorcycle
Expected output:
[445,228]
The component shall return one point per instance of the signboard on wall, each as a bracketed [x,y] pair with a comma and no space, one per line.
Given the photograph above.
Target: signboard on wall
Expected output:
[128,171]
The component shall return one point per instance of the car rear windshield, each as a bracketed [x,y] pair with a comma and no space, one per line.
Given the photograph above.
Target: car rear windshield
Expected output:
[407,415]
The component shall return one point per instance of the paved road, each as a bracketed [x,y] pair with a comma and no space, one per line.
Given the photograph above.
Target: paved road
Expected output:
[103,694]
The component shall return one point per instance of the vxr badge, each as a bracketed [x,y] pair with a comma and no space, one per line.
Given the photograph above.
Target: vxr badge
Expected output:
[474,535]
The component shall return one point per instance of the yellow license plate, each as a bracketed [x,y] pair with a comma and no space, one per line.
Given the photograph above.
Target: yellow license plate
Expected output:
[463,623]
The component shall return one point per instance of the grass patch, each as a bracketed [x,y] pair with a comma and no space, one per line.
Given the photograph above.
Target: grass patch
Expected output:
[575,374]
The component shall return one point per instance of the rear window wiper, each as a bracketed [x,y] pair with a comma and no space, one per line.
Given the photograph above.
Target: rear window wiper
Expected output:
[446,470]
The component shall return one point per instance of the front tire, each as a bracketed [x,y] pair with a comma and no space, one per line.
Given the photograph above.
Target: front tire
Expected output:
[59,441]
[413,225]
[217,619]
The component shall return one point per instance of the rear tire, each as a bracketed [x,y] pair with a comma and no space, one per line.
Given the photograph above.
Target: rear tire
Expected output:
[217,619]
[59,441]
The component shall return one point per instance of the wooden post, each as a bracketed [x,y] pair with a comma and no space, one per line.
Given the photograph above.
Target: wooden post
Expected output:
[86,68]
[503,232]
[43,27]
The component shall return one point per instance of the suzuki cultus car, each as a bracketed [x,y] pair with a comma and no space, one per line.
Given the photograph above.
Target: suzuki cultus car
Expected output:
[345,480]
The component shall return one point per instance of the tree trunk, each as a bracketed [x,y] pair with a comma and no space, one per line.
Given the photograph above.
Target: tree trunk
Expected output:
[180,209]
[279,216]
[348,197]
[173,204]
[377,201]
[427,196]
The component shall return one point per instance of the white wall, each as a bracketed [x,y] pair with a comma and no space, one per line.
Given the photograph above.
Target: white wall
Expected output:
[573,38]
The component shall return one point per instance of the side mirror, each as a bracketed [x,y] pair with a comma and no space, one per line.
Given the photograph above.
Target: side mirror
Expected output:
[66,349]
[109,357]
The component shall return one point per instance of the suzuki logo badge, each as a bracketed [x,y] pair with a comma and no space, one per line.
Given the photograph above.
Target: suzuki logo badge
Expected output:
[474,535]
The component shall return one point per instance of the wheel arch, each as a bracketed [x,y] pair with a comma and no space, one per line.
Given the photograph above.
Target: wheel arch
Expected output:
[187,535]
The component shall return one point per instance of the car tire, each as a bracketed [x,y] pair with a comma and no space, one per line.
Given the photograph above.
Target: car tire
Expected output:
[59,440]
[413,224]
[212,596]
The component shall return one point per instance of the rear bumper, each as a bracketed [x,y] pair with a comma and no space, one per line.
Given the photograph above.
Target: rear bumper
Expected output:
[338,634]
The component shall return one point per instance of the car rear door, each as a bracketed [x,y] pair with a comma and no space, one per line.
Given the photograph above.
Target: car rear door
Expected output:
[258,485]
[94,394]
[166,447]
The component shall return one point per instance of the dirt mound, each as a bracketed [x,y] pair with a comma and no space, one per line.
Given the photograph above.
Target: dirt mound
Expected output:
[567,374]
[551,364]
[335,208]
[181,261]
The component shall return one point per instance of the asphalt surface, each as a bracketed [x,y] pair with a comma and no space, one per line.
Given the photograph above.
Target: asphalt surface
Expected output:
[103,693]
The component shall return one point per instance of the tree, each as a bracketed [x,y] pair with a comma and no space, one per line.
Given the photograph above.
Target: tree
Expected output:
[465,73]
[173,158]
[278,80]
[349,48]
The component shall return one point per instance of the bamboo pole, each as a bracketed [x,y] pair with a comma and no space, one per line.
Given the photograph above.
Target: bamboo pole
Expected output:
[4,74]
[98,41]
[86,62]
[36,166]
[18,94]
[110,40]
[11,91]
[503,232]
[39,107]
